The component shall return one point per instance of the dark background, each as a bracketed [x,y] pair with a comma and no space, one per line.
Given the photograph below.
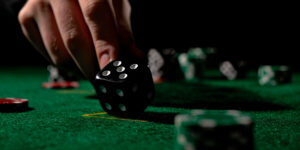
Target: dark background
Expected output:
[259,33]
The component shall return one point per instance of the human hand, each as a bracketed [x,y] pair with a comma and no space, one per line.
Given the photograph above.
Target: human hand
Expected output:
[78,33]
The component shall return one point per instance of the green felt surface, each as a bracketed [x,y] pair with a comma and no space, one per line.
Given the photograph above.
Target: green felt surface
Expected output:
[57,118]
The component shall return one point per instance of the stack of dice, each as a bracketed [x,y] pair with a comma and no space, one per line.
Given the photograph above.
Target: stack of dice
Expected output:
[125,88]
[210,130]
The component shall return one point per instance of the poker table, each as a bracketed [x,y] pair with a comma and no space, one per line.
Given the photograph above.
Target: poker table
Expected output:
[73,118]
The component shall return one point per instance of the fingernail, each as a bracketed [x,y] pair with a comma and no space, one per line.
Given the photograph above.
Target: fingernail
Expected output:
[104,60]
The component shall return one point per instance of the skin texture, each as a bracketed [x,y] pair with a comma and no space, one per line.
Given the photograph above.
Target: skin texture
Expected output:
[82,35]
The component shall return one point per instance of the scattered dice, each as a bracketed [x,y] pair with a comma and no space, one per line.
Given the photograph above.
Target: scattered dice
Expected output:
[233,69]
[192,63]
[274,75]
[125,88]
[164,65]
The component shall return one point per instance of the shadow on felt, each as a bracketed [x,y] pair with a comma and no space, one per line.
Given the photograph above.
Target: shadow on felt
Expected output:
[16,111]
[92,97]
[201,96]
[158,117]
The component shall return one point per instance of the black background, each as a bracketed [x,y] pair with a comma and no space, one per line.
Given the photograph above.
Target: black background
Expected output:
[260,33]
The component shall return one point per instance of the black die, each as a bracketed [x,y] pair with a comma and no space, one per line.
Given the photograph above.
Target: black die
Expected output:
[125,88]
[234,69]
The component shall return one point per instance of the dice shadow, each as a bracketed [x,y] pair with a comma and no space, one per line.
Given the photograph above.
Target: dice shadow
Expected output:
[202,96]
[92,97]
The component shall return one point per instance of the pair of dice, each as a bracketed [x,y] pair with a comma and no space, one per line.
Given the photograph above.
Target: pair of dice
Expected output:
[125,88]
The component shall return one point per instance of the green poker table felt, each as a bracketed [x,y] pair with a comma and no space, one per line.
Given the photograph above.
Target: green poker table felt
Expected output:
[73,118]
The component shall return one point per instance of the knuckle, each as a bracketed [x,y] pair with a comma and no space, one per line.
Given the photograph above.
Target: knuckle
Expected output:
[40,6]
[32,8]
[24,17]
[39,3]
[103,46]
[92,7]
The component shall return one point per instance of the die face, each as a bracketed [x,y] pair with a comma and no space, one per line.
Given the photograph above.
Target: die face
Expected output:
[120,71]
[124,89]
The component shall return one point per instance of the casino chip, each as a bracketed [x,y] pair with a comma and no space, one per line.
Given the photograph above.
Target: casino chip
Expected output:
[211,129]
[13,104]
[274,75]
[60,85]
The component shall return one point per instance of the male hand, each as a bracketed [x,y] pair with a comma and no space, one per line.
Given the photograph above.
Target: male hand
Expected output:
[84,34]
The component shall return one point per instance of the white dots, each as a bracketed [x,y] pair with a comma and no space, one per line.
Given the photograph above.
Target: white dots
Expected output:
[107,106]
[134,66]
[181,139]
[244,120]
[181,118]
[228,70]
[122,107]
[103,89]
[197,112]
[189,146]
[120,92]
[106,73]
[190,74]
[208,123]
[98,77]
[183,59]
[233,112]
[117,63]
[123,76]
[120,69]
